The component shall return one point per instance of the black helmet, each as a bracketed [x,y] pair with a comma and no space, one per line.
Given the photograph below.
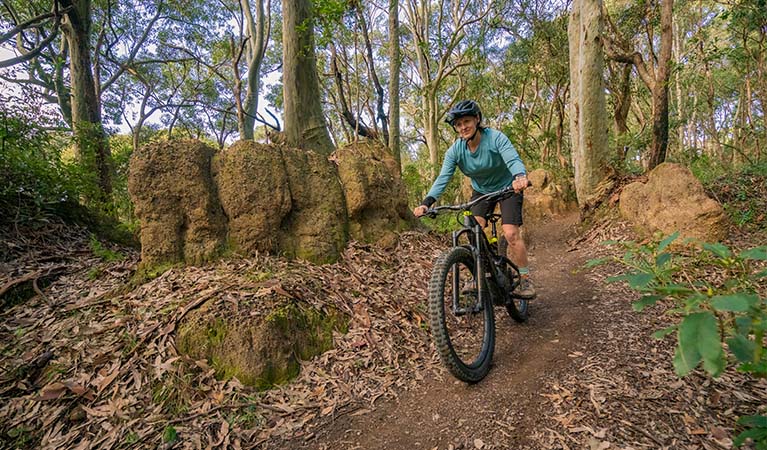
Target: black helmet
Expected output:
[462,109]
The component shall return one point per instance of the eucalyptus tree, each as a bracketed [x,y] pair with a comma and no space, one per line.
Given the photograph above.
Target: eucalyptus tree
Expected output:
[305,125]
[444,33]
[394,82]
[254,46]
[654,69]
[77,51]
[588,113]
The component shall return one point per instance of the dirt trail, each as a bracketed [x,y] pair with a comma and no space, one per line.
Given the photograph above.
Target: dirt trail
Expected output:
[503,410]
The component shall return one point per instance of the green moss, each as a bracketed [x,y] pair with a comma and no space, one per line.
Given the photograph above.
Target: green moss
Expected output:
[264,353]
[148,272]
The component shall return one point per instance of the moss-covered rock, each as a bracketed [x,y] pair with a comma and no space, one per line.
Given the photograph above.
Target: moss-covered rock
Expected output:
[316,228]
[175,198]
[253,187]
[547,198]
[376,199]
[260,350]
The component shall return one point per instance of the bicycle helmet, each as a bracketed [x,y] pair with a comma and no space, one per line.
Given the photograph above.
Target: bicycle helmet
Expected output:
[462,109]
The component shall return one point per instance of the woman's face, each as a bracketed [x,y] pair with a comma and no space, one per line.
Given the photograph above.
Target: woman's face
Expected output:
[466,126]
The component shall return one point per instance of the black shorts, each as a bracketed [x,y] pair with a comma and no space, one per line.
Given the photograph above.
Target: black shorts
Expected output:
[511,208]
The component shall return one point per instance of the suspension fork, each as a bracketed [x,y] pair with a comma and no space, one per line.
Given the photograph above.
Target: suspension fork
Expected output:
[478,269]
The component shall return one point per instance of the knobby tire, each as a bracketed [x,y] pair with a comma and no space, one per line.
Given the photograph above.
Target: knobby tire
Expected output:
[441,315]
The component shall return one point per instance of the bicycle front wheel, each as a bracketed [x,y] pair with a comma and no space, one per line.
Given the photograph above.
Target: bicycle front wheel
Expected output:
[463,329]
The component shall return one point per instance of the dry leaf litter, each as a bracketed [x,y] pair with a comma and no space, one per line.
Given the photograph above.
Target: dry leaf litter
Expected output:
[92,364]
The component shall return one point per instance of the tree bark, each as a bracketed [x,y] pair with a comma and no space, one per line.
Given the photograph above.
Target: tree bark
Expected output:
[91,144]
[394,68]
[588,113]
[258,36]
[657,80]
[305,125]
[660,93]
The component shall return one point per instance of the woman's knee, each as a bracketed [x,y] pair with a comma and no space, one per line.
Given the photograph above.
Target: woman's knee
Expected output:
[512,235]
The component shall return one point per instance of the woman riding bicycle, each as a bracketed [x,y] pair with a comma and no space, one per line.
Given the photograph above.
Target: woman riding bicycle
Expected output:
[489,159]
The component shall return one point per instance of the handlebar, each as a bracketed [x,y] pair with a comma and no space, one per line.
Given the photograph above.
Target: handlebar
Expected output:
[493,196]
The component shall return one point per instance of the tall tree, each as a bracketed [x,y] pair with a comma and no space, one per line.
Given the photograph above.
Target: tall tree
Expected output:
[90,139]
[257,41]
[394,67]
[439,31]
[305,125]
[656,78]
[588,113]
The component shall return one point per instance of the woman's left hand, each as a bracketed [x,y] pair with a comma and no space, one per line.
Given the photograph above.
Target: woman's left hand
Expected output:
[519,184]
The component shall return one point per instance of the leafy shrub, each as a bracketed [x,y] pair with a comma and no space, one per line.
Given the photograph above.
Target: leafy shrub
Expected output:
[719,295]
[35,180]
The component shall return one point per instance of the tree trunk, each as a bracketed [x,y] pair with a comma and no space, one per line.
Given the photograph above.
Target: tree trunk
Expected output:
[257,37]
[431,128]
[622,108]
[394,68]
[588,114]
[304,121]
[660,93]
[91,144]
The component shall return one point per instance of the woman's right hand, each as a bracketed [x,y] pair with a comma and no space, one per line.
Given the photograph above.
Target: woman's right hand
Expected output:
[419,211]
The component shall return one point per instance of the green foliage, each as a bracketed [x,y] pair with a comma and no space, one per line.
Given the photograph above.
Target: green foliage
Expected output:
[35,181]
[169,435]
[122,149]
[100,251]
[719,293]
[743,193]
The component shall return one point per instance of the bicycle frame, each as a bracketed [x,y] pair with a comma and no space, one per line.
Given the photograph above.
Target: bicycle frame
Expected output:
[480,247]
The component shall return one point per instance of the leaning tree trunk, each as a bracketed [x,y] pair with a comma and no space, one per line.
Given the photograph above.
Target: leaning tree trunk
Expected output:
[394,67]
[660,93]
[588,113]
[91,144]
[305,125]
[257,36]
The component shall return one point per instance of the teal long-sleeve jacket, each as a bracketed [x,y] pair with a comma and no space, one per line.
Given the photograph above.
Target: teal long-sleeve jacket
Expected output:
[493,166]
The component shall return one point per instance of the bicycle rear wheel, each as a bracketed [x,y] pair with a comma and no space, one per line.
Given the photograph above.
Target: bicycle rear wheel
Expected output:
[516,307]
[463,330]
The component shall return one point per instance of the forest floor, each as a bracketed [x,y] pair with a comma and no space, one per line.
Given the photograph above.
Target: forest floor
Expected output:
[583,372]
[84,363]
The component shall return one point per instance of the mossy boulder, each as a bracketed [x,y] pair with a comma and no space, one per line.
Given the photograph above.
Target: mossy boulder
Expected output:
[260,349]
[376,198]
[255,195]
[547,198]
[175,197]
[316,228]
[673,200]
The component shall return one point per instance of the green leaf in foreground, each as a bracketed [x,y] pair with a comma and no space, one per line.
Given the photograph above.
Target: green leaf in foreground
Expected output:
[660,334]
[699,340]
[595,262]
[758,253]
[169,434]
[742,347]
[736,302]
[718,249]
[647,300]
[665,243]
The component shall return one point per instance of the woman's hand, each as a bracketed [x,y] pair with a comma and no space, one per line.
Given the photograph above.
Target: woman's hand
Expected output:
[419,211]
[519,184]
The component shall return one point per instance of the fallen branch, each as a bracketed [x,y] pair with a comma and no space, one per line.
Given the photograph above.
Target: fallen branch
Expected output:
[33,276]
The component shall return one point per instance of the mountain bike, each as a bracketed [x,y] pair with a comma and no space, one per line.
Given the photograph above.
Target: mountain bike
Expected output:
[467,282]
